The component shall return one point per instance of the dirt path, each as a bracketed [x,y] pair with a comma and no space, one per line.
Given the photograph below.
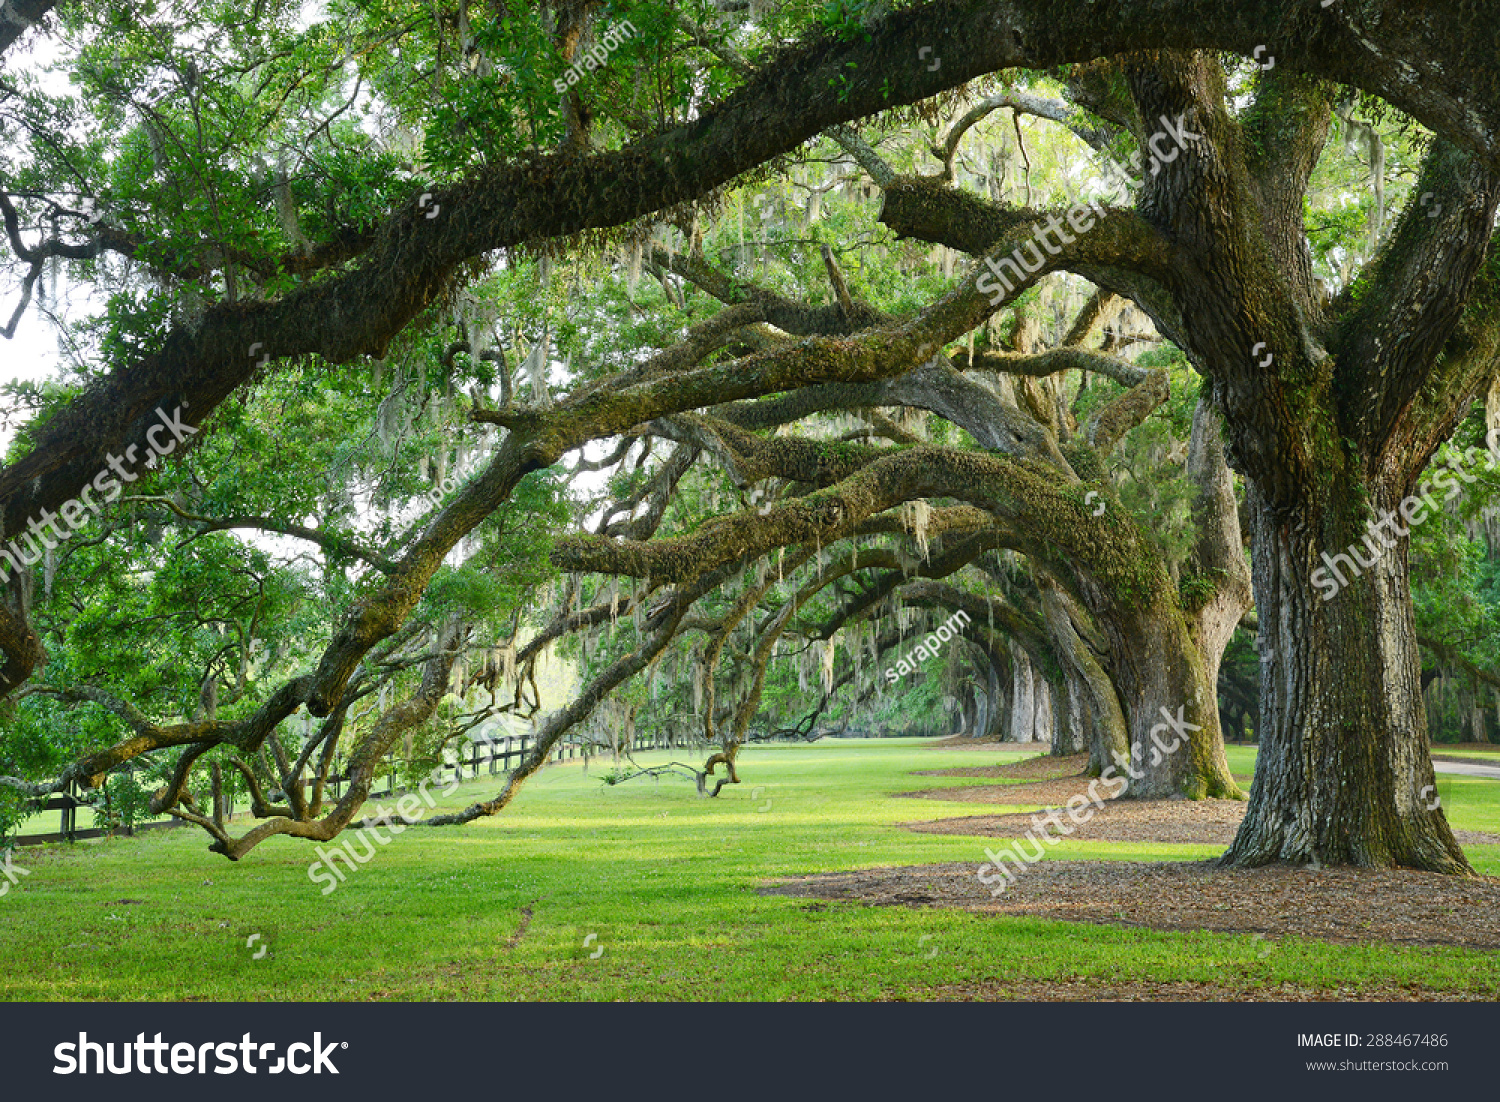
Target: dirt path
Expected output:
[1401,907]
[1143,991]
[1205,822]
[1393,907]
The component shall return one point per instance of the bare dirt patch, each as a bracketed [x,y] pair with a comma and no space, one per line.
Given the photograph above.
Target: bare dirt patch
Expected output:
[1091,990]
[1354,906]
[1043,793]
[965,742]
[1038,768]
[1203,822]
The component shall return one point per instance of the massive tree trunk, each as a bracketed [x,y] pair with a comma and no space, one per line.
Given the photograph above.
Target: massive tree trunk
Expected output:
[1331,415]
[1041,725]
[1176,747]
[1070,726]
[1023,702]
[970,713]
[1388,368]
[1218,557]
[1344,774]
[994,715]
[1106,730]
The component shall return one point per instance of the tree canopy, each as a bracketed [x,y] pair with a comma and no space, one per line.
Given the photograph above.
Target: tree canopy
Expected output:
[724,356]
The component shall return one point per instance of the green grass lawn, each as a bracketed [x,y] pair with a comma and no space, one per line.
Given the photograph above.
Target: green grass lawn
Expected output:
[665,881]
[1468,753]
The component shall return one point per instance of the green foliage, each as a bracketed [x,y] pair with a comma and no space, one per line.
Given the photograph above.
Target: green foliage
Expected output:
[232,139]
[13,812]
[1149,466]
[844,19]
[1455,574]
[128,804]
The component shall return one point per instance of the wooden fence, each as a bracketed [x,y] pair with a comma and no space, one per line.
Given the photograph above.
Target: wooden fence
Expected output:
[496,755]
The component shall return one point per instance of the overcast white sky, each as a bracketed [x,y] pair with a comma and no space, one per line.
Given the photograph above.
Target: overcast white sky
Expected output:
[29,354]
[32,352]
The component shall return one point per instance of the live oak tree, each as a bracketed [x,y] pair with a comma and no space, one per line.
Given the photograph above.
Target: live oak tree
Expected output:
[1330,409]
[164,611]
[1161,651]
[1333,410]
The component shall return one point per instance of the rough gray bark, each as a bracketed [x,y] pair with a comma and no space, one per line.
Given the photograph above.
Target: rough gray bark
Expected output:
[1218,558]
[1023,703]
[1070,723]
[1344,775]
[1107,730]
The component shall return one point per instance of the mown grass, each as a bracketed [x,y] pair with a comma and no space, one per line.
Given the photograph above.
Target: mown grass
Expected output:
[667,883]
[1468,752]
